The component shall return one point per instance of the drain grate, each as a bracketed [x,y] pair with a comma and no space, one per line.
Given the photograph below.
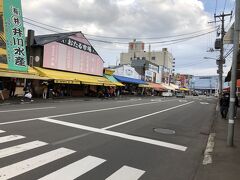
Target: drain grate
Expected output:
[163,131]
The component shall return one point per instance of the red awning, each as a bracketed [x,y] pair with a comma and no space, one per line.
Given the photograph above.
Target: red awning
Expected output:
[157,87]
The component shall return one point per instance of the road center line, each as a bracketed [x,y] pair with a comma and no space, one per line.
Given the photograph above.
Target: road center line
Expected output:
[106,109]
[30,109]
[83,112]
[147,115]
[117,134]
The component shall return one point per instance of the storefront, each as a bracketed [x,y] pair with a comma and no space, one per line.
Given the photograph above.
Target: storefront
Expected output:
[69,60]
[15,80]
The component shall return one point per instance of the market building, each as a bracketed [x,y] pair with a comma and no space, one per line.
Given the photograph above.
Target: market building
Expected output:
[67,61]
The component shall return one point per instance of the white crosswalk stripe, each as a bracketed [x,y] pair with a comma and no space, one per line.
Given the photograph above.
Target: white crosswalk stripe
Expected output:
[75,169]
[24,166]
[10,138]
[126,173]
[68,172]
[20,148]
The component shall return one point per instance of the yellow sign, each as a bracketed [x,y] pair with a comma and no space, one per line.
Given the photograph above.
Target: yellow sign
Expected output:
[109,71]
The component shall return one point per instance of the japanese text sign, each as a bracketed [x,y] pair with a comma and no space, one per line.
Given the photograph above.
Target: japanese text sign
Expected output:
[15,38]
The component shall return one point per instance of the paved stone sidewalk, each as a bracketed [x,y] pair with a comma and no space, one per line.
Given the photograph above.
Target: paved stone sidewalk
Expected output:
[226,160]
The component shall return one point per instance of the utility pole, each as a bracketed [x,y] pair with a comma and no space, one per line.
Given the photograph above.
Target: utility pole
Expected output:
[221,60]
[234,74]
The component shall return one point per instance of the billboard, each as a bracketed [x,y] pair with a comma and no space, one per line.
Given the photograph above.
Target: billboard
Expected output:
[73,54]
[127,71]
[15,38]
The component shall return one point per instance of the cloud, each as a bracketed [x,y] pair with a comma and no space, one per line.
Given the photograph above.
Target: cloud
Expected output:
[127,18]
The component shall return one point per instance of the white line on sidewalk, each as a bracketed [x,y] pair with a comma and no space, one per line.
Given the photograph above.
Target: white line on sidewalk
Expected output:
[76,169]
[1,131]
[21,148]
[31,109]
[10,138]
[24,166]
[147,115]
[117,134]
[209,149]
[126,173]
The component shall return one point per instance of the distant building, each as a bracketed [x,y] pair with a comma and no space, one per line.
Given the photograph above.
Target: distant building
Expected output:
[208,84]
[163,59]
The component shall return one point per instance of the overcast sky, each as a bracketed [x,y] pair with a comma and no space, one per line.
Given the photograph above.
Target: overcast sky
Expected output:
[129,19]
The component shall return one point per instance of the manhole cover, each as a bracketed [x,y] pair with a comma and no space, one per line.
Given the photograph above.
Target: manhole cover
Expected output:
[163,131]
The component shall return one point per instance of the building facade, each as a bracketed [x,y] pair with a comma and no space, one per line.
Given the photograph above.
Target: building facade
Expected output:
[163,59]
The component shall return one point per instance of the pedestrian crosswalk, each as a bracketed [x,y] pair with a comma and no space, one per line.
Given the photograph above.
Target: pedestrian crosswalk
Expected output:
[68,172]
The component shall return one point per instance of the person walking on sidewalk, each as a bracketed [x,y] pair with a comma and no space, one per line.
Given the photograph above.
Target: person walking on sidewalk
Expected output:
[12,88]
[1,90]
[224,105]
[27,92]
[45,90]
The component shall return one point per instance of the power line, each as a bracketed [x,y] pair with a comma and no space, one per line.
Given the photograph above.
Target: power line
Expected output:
[224,5]
[193,64]
[216,4]
[118,42]
[125,38]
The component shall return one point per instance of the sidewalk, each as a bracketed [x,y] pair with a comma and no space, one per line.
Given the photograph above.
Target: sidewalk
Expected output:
[226,160]
[17,100]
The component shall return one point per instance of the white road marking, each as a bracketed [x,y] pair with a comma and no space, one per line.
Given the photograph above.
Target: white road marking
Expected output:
[1,131]
[24,166]
[183,101]
[18,121]
[117,134]
[21,148]
[147,115]
[204,103]
[10,138]
[76,169]
[126,173]
[83,112]
[209,150]
[31,109]
[104,109]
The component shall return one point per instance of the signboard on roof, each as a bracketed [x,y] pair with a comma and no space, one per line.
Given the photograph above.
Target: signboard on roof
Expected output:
[74,54]
[15,38]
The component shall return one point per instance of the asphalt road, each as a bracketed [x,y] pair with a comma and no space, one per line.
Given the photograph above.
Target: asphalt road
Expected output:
[148,139]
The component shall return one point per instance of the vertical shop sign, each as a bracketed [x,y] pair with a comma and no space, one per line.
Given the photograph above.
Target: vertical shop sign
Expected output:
[15,38]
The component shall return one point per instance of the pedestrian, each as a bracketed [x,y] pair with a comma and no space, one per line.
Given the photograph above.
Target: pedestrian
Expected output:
[1,90]
[45,90]
[12,88]
[51,92]
[224,105]
[27,92]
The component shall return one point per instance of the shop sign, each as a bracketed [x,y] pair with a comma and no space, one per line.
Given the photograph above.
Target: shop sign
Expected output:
[148,76]
[78,45]
[15,37]
[109,71]
[158,78]
[153,68]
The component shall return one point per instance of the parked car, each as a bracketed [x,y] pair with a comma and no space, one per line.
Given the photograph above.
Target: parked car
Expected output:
[180,95]
[167,94]
[195,94]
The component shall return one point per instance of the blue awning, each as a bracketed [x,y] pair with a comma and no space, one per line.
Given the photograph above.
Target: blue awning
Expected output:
[129,80]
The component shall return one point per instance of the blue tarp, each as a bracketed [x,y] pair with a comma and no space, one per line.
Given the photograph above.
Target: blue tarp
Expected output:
[129,80]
